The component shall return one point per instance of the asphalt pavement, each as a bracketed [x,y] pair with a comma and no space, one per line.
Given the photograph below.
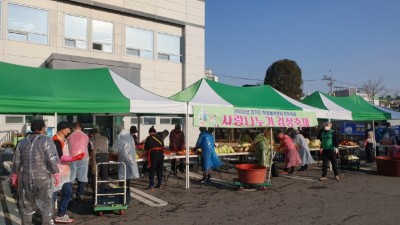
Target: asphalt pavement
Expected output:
[359,197]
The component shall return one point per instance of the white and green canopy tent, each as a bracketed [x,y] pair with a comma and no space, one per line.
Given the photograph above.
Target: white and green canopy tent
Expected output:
[48,91]
[215,104]
[28,90]
[394,115]
[353,108]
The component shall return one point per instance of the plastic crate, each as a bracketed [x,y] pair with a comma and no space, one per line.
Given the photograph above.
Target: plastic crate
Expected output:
[110,190]
[110,200]
[350,162]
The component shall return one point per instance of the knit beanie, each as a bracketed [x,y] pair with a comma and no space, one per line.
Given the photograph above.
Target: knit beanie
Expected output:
[152,130]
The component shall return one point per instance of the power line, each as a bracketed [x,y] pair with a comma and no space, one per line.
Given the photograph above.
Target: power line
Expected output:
[348,83]
[237,77]
[312,80]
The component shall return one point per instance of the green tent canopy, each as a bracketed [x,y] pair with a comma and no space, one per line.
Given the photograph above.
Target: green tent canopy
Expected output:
[347,108]
[211,100]
[38,90]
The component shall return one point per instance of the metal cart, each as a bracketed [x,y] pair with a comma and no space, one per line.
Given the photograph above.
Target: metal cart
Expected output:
[345,154]
[107,198]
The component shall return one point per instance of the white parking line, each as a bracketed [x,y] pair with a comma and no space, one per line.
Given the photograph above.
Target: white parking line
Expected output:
[300,178]
[213,180]
[11,205]
[146,198]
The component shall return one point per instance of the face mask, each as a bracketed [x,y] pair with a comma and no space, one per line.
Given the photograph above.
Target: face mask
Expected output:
[327,127]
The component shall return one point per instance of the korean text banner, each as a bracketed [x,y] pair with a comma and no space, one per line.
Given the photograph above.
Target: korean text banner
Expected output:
[217,116]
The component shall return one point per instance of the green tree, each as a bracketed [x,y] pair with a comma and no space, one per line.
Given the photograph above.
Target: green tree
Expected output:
[285,76]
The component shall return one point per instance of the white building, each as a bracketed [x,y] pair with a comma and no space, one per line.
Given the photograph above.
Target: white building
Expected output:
[156,44]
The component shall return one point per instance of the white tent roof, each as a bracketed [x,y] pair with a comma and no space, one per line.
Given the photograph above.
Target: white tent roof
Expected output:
[319,113]
[143,101]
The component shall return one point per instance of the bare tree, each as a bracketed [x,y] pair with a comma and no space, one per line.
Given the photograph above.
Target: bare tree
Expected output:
[373,87]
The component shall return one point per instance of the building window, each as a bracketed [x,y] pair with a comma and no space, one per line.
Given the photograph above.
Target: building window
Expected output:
[29,119]
[75,31]
[176,121]
[149,120]
[102,36]
[139,42]
[169,120]
[169,47]
[27,24]
[165,120]
[14,119]
[134,120]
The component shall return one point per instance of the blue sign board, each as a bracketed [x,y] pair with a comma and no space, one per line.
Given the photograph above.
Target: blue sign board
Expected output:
[352,129]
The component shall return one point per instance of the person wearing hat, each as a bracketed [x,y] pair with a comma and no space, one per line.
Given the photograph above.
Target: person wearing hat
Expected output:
[124,148]
[209,159]
[303,150]
[292,157]
[133,131]
[177,143]
[329,144]
[261,146]
[34,166]
[59,139]
[154,146]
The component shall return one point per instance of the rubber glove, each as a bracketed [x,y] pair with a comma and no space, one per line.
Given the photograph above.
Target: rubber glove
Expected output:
[56,179]
[66,158]
[79,156]
[14,179]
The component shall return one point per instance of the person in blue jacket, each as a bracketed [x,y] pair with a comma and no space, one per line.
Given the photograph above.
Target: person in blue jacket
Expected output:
[209,159]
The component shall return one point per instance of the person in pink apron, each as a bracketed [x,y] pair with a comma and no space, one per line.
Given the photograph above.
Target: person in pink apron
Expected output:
[292,157]
[59,140]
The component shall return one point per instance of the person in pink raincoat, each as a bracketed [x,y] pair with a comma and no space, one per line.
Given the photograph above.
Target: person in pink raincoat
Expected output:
[78,142]
[292,157]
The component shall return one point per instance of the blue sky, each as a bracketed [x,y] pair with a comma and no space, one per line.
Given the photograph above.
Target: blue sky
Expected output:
[350,40]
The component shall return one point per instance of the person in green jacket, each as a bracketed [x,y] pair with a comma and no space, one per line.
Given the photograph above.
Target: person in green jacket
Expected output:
[261,146]
[329,145]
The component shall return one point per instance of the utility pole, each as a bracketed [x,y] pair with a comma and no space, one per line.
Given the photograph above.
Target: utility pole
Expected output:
[330,82]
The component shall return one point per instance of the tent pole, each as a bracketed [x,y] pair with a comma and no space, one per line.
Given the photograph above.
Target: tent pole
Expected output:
[187,146]
[272,157]
[94,119]
[329,120]
[138,127]
[55,120]
[373,139]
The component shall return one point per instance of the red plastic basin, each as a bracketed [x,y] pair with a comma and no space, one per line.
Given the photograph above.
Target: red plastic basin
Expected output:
[388,165]
[251,173]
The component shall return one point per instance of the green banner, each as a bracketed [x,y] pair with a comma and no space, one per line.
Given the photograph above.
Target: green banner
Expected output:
[216,116]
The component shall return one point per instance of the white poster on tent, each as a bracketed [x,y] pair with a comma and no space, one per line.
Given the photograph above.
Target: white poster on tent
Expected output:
[216,116]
